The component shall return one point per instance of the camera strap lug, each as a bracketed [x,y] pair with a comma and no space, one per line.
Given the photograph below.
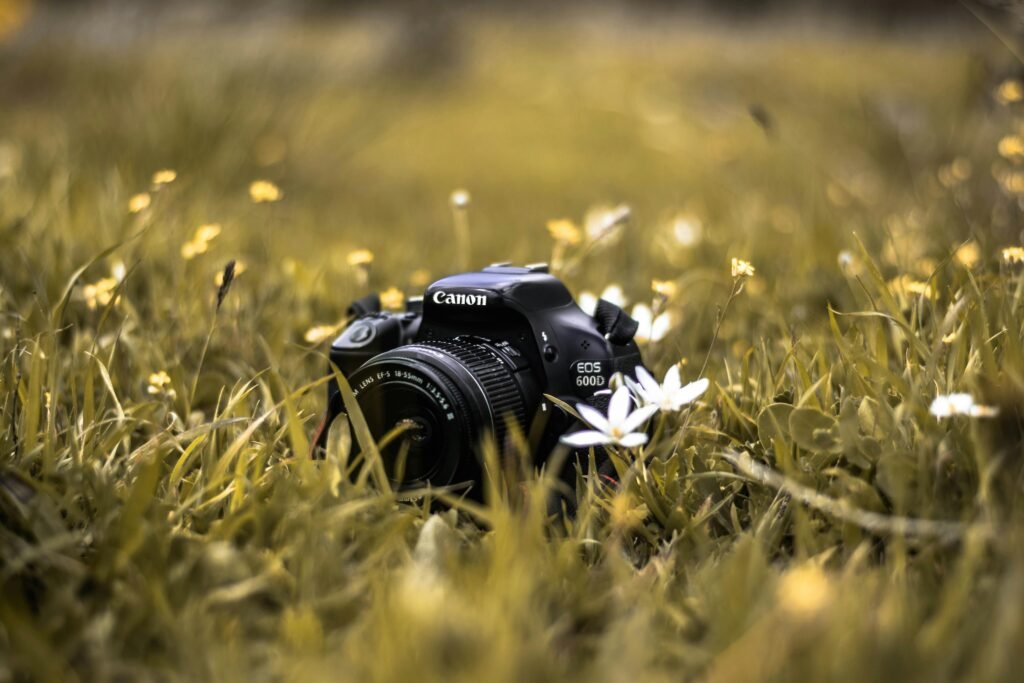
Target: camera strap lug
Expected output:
[614,323]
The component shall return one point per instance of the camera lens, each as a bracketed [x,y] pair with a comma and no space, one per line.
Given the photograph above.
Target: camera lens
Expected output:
[430,404]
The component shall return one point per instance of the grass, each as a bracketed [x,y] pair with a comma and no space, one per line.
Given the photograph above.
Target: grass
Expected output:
[808,519]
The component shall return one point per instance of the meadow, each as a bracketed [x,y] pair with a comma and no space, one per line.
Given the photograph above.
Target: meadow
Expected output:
[823,221]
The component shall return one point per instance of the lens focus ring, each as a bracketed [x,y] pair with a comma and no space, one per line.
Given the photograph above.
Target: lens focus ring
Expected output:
[495,377]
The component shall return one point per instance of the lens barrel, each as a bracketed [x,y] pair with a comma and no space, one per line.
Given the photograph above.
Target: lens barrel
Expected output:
[445,396]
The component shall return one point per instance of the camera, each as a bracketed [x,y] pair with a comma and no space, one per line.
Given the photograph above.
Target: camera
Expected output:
[472,359]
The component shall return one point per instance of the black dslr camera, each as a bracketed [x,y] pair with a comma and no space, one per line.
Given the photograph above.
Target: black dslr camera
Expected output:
[475,355]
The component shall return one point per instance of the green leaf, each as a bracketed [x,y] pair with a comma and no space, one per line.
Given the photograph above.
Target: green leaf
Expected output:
[849,434]
[373,461]
[131,528]
[815,431]
[874,418]
[773,423]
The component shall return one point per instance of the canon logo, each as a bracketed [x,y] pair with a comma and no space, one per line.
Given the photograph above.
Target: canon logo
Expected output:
[443,297]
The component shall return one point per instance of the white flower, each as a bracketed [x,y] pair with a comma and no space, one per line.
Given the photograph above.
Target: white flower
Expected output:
[650,328]
[588,302]
[687,230]
[960,404]
[670,395]
[612,294]
[601,222]
[741,268]
[618,428]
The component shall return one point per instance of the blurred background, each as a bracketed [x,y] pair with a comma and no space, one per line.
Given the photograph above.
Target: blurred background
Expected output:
[766,130]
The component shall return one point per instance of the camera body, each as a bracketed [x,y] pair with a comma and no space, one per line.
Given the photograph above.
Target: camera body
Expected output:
[473,359]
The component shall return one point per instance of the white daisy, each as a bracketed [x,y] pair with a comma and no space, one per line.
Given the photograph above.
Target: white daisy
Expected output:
[612,294]
[670,395]
[687,230]
[618,428]
[588,302]
[650,328]
[949,405]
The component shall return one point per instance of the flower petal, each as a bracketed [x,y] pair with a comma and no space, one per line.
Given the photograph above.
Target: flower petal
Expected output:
[633,439]
[691,392]
[641,313]
[593,417]
[638,417]
[587,437]
[647,381]
[984,411]
[618,407]
[634,386]
[588,302]
[613,295]
[672,381]
[961,403]
[661,326]
[941,407]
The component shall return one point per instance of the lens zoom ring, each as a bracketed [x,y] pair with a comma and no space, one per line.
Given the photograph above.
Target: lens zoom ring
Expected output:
[499,385]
